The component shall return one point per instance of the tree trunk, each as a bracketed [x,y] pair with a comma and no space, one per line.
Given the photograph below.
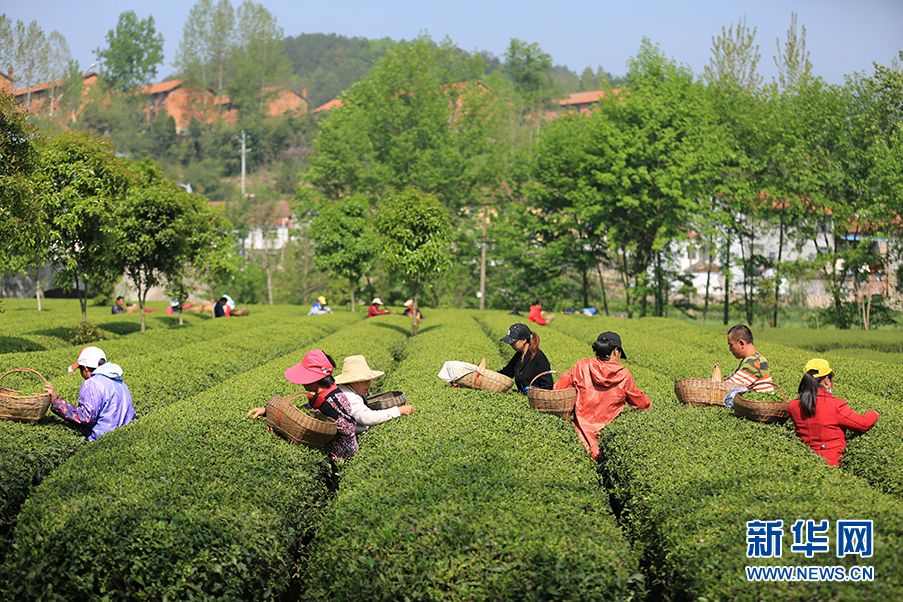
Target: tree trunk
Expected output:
[777,274]
[142,294]
[727,277]
[351,288]
[414,316]
[181,316]
[584,280]
[708,282]
[625,279]
[659,286]
[644,299]
[269,283]
[602,286]
[484,228]
[82,299]
[38,289]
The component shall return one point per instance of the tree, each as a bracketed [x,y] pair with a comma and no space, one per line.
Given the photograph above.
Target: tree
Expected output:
[792,59]
[528,67]
[157,230]
[30,55]
[414,236]
[79,180]
[258,60]
[345,240]
[134,50]
[22,218]
[208,38]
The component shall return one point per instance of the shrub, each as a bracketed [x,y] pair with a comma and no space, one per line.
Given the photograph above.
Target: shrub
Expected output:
[85,334]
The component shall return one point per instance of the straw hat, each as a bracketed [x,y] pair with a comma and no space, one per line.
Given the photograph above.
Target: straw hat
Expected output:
[409,303]
[355,370]
[322,300]
[376,301]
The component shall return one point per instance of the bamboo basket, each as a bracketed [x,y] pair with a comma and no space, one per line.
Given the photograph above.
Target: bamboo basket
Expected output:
[698,392]
[23,408]
[386,400]
[296,425]
[768,412]
[485,380]
[559,402]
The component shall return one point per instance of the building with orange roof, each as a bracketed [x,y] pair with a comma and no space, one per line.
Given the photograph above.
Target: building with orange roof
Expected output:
[335,103]
[45,98]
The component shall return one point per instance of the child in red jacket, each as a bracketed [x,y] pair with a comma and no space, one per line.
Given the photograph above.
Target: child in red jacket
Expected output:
[820,418]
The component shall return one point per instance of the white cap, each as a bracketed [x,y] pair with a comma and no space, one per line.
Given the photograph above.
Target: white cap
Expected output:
[89,357]
[376,301]
[409,303]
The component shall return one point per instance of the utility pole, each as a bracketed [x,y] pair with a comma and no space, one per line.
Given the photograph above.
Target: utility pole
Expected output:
[485,221]
[243,151]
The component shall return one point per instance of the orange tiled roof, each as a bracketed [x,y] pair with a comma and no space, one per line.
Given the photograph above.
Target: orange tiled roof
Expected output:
[581,98]
[167,86]
[335,103]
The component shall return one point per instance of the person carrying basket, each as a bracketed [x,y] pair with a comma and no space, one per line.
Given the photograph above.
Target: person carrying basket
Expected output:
[104,400]
[314,373]
[820,418]
[604,386]
[528,360]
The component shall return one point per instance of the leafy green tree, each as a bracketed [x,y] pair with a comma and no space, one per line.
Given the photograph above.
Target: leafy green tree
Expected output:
[134,50]
[156,230]
[208,38]
[80,180]
[22,220]
[345,241]
[414,236]
[258,61]
[528,67]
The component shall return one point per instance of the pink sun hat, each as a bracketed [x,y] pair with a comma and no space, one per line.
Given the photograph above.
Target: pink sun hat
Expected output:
[312,368]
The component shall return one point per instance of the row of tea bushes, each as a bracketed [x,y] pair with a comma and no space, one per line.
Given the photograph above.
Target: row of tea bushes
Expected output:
[679,351]
[686,480]
[213,505]
[474,497]
[29,452]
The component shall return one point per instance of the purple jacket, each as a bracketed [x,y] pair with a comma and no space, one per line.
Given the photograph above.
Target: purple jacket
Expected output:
[104,403]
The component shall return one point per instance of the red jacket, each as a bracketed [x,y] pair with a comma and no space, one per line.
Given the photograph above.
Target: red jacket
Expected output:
[602,390]
[823,432]
[376,311]
[535,315]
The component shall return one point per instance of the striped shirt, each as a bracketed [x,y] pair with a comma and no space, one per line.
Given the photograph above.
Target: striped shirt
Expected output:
[752,373]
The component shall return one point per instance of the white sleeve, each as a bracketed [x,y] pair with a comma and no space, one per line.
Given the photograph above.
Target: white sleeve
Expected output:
[363,415]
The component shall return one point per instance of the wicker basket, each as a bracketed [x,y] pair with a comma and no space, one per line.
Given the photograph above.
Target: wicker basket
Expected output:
[552,401]
[698,392]
[762,411]
[386,400]
[486,380]
[296,425]
[23,408]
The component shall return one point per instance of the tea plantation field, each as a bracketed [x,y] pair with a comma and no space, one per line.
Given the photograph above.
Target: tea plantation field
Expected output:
[473,497]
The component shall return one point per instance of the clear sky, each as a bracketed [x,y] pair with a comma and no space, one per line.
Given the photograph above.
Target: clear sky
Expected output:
[843,36]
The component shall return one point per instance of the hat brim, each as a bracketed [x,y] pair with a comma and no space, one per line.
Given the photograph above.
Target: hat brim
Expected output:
[351,377]
[73,367]
[300,375]
[508,339]
[623,353]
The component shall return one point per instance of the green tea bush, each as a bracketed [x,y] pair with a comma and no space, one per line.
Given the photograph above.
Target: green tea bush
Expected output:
[213,504]
[677,351]
[474,497]
[29,452]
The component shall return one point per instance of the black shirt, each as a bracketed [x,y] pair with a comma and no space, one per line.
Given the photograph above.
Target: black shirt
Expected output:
[523,369]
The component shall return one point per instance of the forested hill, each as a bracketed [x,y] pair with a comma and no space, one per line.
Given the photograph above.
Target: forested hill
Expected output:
[328,63]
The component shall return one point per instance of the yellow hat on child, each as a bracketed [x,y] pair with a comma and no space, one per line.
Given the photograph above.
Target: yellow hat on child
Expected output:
[821,367]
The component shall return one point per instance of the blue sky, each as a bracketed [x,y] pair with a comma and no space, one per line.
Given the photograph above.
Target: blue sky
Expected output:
[843,35]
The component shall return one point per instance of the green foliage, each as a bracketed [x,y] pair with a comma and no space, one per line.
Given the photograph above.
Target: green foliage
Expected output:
[134,49]
[528,66]
[473,497]
[85,334]
[414,230]
[346,241]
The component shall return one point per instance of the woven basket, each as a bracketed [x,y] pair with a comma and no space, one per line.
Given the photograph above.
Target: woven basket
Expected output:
[296,425]
[23,408]
[485,380]
[762,411]
[552,401]
[698,392]
[384,401]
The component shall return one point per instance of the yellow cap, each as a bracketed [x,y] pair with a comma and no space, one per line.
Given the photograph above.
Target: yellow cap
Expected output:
[322,300]
[822,367]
